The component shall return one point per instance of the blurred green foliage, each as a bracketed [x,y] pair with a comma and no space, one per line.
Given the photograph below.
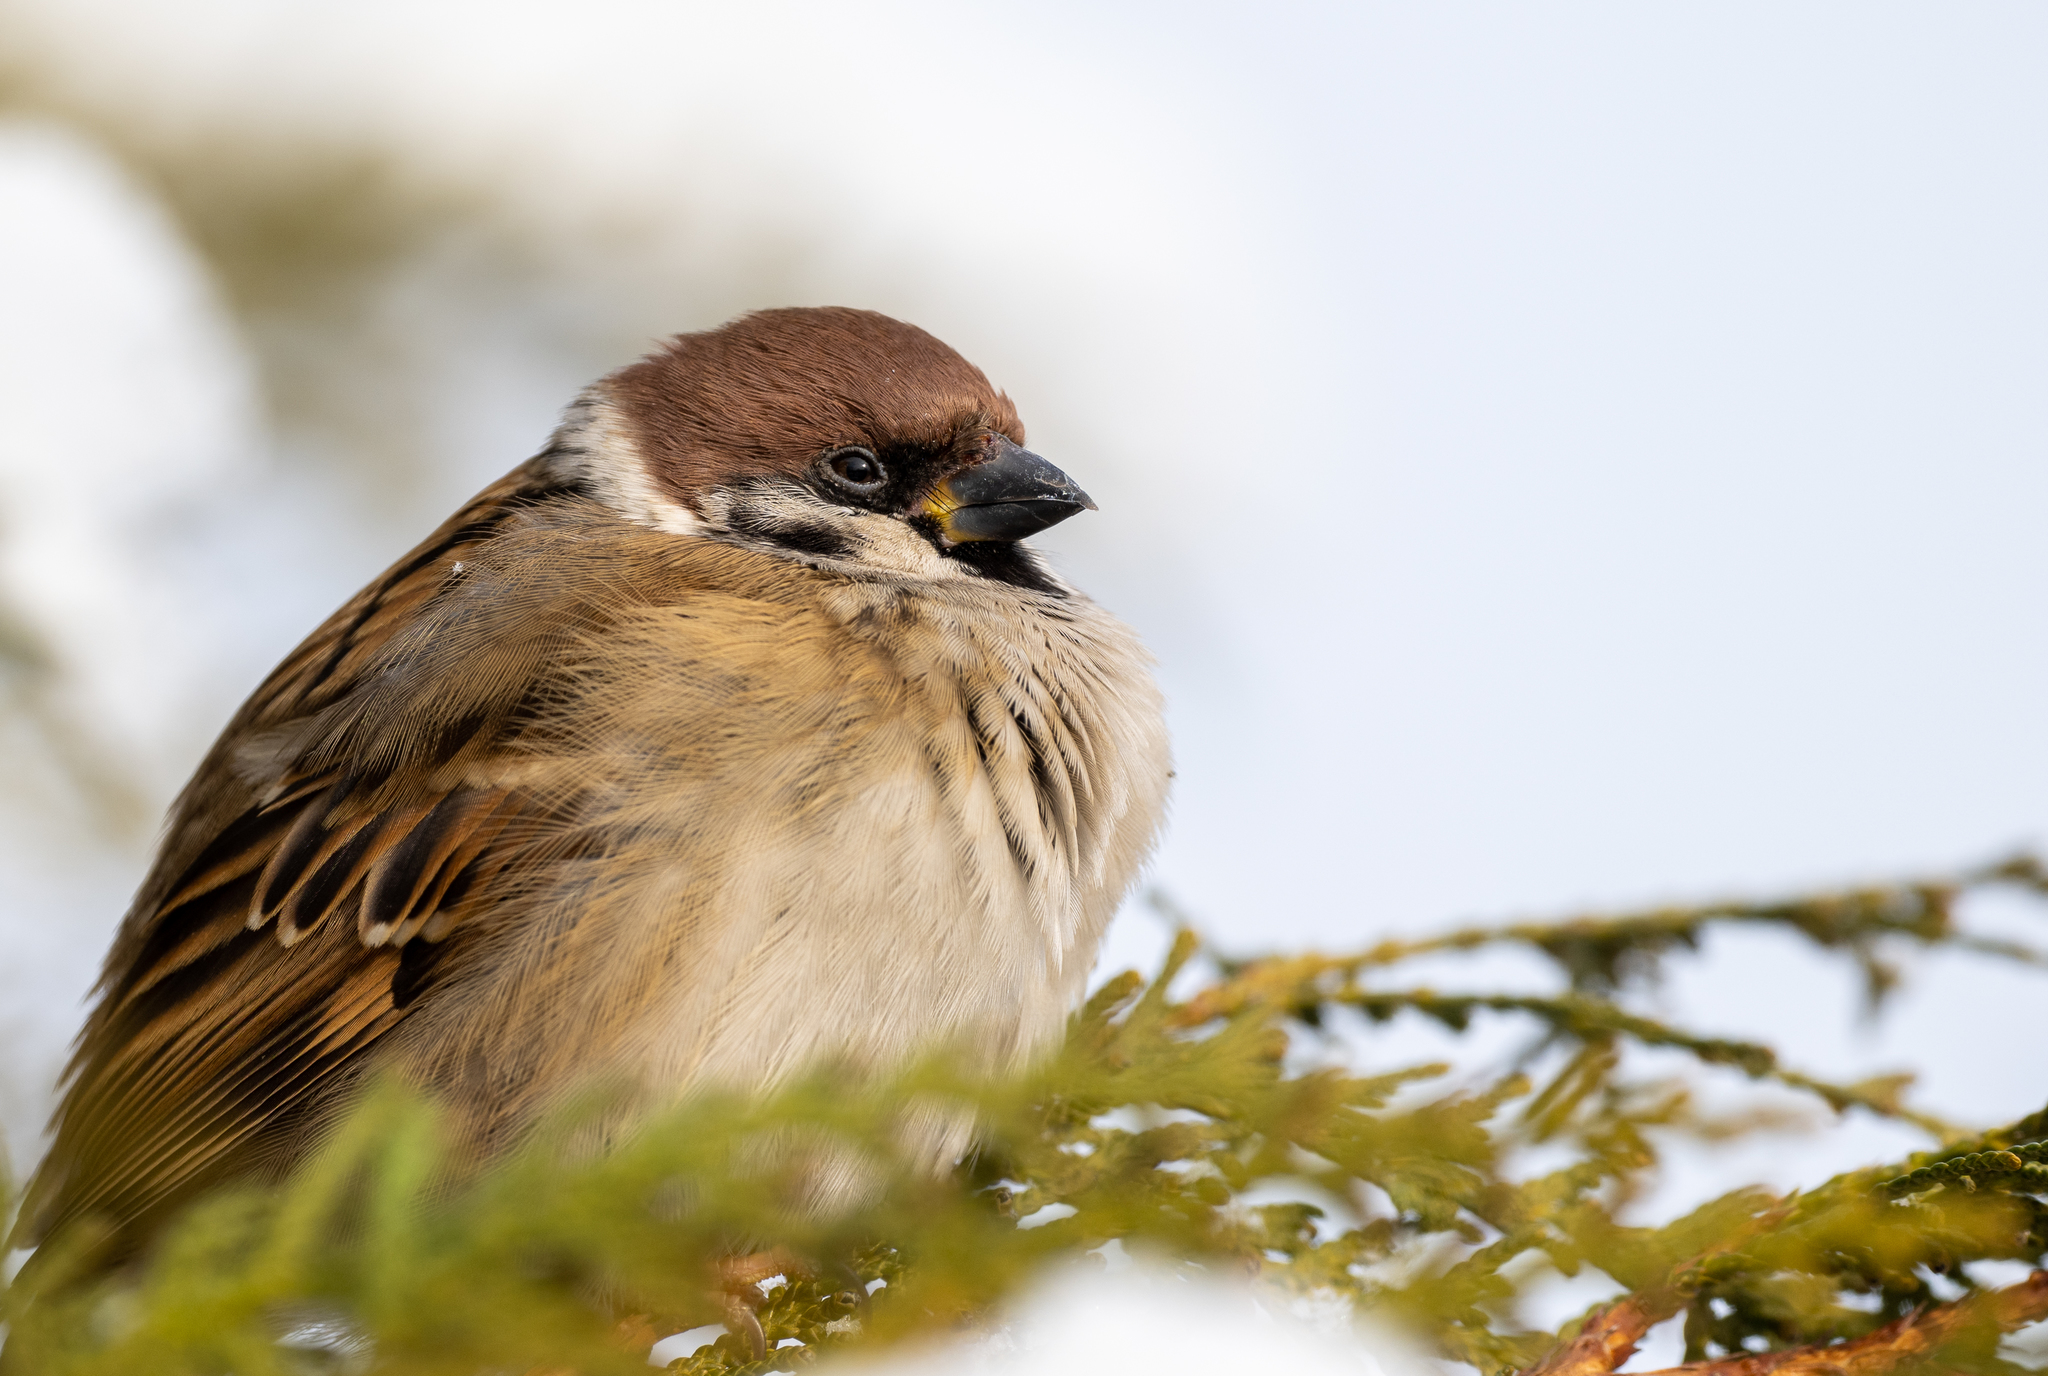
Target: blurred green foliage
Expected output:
[1209,1118]
[363,266]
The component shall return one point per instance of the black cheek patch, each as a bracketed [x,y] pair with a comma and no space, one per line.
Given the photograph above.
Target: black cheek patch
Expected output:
[803,537]
[822,541]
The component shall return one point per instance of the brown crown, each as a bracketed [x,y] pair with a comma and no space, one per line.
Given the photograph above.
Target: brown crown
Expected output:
[769,392]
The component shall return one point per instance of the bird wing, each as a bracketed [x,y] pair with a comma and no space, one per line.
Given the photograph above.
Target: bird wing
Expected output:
[360,806]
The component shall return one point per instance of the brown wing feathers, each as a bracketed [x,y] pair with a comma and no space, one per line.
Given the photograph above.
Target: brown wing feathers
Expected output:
[418,882]
[268,950]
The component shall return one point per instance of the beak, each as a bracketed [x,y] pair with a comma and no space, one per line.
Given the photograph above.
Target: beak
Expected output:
[1007,496]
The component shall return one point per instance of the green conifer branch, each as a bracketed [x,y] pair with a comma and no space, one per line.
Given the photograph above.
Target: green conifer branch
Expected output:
[1164,1125]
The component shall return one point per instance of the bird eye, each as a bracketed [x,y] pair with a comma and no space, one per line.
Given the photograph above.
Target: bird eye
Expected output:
[856,468]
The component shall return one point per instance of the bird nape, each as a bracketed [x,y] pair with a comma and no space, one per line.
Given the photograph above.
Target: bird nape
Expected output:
[732,733]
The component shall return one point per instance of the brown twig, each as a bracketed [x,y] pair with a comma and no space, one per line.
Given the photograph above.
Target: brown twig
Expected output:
[1609,1338]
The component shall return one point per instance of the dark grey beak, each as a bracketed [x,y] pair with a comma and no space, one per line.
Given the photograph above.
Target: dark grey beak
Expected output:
[1007,496]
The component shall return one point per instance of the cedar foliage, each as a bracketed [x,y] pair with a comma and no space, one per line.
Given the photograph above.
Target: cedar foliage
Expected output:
[1175,1105]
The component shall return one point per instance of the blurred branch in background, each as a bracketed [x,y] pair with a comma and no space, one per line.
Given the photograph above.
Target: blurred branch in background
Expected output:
[32,695]
[372,274]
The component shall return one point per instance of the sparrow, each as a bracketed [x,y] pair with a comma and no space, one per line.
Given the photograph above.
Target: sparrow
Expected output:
[735,732]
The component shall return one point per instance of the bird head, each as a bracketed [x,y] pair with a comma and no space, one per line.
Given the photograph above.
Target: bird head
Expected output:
[828,435]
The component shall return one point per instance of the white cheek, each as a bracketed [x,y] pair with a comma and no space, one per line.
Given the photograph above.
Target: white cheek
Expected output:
[893,545]
[593,444]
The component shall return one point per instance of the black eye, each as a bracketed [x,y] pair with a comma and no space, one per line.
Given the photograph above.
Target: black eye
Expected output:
[857,468]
